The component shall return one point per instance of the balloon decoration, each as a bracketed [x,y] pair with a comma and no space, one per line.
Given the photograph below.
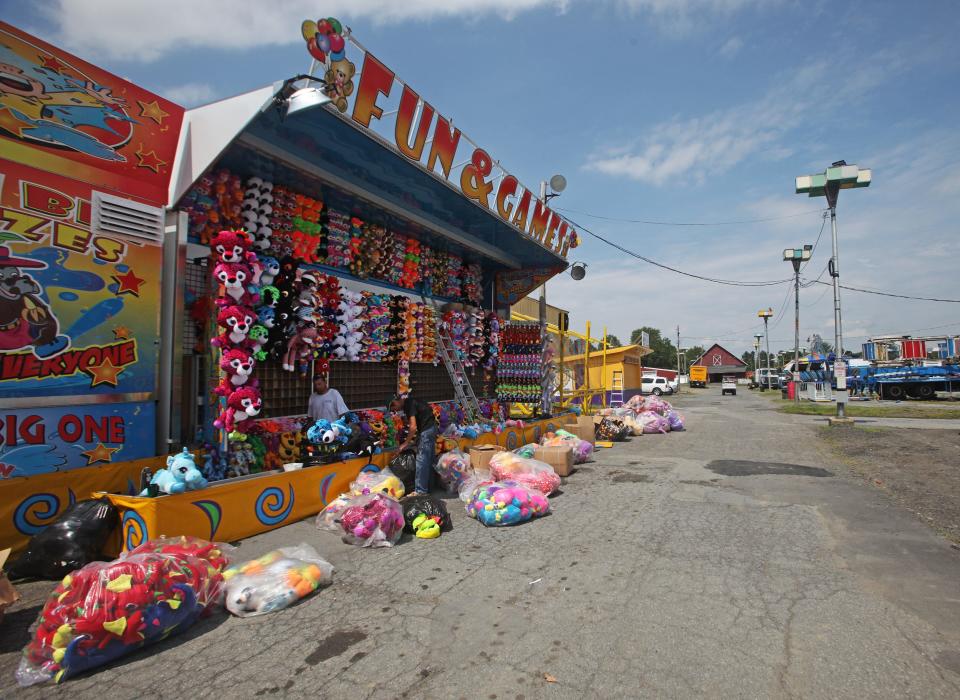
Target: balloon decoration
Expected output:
[324,39]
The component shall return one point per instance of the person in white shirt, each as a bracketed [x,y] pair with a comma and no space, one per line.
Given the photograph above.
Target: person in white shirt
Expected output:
[324,401]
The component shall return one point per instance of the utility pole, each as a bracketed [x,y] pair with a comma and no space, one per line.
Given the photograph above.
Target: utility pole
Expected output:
[678,359]
[765,314]
[839,176]
[797,256]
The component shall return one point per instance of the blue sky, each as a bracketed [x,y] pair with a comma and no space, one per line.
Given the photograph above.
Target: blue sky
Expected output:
[666,110]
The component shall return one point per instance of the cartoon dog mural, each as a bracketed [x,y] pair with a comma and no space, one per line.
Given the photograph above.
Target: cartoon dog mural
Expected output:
[25,319]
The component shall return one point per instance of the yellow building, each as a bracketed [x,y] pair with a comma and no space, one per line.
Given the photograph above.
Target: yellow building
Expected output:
[627,359]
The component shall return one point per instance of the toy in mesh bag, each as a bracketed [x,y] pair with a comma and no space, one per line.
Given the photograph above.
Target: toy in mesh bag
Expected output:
[531,473]
[384,481]
[500,503]
[453,467]
[276,580]
[612,429]
[106,610]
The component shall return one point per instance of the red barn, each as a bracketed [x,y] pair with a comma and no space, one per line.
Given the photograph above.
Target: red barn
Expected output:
[720,361]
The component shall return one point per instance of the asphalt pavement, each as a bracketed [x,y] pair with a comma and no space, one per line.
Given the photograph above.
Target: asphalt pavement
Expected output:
[731,560]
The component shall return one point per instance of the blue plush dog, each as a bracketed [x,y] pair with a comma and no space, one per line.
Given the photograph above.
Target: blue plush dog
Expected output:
[180,475]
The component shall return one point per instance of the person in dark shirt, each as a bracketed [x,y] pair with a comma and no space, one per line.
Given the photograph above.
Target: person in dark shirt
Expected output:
[422,428]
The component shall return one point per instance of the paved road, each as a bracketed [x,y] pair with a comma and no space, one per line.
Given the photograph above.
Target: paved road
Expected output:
[672,566]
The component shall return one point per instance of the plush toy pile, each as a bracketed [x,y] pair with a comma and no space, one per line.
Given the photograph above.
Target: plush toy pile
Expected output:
[529,472]
[647,415]
[275,581]
[368,520]
[499,503]
[383,481]
[109,609]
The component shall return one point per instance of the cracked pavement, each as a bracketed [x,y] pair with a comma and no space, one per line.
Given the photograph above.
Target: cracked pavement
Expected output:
[653,576]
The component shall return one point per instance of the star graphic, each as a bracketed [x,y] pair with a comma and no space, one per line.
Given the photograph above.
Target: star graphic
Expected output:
[104,373]
[151,110]
[121,333]
[149,160]
[51,63]
[129,283]
[100,453]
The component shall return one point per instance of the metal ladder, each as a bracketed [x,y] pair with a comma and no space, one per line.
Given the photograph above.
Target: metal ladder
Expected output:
[462,389]
[616,389]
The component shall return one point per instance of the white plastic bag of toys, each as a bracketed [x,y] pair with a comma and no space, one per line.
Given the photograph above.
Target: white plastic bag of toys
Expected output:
[453,467]
[532,473]
[276,580]
[383,481]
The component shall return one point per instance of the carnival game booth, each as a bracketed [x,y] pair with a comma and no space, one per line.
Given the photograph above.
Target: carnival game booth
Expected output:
[340,225]
[84,179]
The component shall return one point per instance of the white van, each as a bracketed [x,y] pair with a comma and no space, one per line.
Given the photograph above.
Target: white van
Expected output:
[657,386]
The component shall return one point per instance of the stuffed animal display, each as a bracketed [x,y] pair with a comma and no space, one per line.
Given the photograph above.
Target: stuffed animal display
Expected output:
[501,503]
[529,472]
[180,475]
[275,581]
[520,365]
[109,609]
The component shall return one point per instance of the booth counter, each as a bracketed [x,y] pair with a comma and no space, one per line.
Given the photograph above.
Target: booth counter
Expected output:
[233,509]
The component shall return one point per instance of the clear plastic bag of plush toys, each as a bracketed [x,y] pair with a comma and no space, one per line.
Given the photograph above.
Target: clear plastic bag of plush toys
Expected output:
[106,610]
[383,481]
[500,503]
[453,467]
[372,520]
[529,472]
[276,580]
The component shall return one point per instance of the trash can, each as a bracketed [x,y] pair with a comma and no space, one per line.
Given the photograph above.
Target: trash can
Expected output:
[791,390]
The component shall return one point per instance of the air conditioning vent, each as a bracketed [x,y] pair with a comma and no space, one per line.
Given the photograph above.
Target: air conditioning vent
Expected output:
[127,218]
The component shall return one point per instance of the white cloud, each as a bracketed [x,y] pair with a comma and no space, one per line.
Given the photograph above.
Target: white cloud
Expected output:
[681,17]
[697,147]
[190,94]
[731,47]
[144,31]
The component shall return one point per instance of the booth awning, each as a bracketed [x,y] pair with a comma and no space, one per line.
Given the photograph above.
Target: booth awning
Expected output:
[356,172]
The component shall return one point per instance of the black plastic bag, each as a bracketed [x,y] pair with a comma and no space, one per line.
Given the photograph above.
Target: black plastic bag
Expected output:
[72,541]
[424,505]
[612,429]
[404,466]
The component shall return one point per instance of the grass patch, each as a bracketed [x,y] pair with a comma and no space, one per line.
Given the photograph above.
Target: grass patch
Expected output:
[871,411]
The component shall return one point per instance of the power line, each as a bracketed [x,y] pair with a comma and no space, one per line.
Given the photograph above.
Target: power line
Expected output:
[732,283]
[892,294]
[690,223]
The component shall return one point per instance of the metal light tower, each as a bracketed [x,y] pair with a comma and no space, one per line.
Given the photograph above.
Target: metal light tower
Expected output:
[838,176]
[765,314]
[797,256]
[756,357]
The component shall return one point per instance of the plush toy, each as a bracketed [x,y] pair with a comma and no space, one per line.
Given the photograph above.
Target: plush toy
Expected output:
[242,405]
[231,246]
[275,580]
[426,527]
[181,474]
[271,268]
[236,322]
[237,365]
[259,335]
[453,467]
[300,349]
[532,473]
[235,278]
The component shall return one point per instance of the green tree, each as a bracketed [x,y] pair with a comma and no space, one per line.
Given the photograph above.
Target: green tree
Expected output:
[693,353]
[664,353]
[613,341]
